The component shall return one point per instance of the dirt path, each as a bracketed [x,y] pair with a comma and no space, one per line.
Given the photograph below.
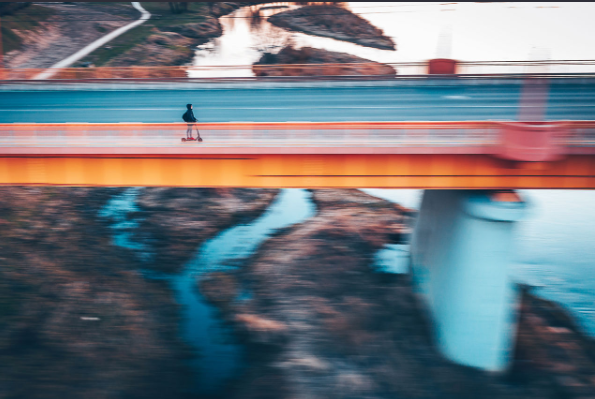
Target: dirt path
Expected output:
[69,30]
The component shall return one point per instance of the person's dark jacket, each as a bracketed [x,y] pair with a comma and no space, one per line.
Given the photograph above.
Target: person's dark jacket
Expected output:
[189,116]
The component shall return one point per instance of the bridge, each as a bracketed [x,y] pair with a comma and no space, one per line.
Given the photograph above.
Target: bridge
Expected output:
[444,132]
[441,155]
[468,140]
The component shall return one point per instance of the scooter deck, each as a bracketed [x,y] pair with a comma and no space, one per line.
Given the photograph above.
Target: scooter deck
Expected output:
[185,140]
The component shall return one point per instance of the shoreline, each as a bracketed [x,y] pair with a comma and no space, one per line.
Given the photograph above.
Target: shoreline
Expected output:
[318,320]
[325,310]
[77,315]
[309,61]
[317,20]
[175,44]
[176,221]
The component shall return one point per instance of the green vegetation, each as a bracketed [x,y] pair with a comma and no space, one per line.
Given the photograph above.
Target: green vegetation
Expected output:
[161,18]
[22,20]
[118,46]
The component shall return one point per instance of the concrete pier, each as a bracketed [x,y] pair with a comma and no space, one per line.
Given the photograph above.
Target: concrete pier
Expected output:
[461,250]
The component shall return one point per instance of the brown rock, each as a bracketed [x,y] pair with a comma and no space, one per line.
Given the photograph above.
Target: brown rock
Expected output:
[319,63]
[202,31]
[335,22]
[257,323]
[76,319]
[219,288]
[175,221]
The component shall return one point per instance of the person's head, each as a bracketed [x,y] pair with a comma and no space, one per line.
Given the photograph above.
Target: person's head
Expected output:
[189,106]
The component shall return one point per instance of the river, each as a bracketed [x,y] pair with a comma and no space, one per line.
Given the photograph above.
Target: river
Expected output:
[554,253]
[219,357]
[421,31]
[554,247]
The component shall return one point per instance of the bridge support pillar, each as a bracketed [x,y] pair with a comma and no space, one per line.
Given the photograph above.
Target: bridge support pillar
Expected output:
[461,250]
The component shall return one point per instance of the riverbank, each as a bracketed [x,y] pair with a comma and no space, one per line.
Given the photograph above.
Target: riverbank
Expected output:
[173,222]
[76,318]
[315,318]
[334,22]
[167,39]
[342,64]
[322,323]
[43,34]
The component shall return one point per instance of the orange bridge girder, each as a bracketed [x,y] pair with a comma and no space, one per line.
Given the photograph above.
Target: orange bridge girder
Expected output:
[440,155]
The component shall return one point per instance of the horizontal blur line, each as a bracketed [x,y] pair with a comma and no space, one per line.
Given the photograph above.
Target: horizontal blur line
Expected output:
[405,187]
[498,175]
[313,107]
[131,156]
[281,108]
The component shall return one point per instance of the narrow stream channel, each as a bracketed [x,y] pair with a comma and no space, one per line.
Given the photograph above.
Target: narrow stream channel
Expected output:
[219,357]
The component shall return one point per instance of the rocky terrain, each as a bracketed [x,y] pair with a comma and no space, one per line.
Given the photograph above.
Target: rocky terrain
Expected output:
[167,46]
[174,221]
[334,22]
[174,45]
[335,64]
[77,318]
[66,30]
[322,324]
[69,27]
[168,41]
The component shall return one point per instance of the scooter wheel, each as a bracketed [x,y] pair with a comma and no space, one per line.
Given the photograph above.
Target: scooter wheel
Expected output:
[183,140]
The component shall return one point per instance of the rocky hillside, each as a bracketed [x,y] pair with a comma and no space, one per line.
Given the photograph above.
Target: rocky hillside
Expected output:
[335,64]
[334,22]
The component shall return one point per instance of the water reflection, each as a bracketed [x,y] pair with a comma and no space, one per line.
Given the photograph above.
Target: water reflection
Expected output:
[480,32]
[247,35]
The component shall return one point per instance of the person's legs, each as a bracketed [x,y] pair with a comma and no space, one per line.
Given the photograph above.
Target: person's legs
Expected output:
[189,131]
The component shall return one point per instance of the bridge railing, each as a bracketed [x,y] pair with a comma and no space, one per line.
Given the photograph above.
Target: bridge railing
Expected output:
[285,137]
[312,71]
[248,134]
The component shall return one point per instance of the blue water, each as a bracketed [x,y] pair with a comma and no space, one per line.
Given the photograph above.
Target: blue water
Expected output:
[555,249]
[555,253]
[393,258]
[219,356]
[117,209]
